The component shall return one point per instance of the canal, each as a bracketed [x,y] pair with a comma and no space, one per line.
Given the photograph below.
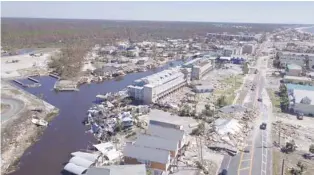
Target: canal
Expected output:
[66,133]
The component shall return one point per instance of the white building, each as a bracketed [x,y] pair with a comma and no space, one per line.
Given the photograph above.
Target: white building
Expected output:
[201,68]
[303,101]
[296,58]
[154,87]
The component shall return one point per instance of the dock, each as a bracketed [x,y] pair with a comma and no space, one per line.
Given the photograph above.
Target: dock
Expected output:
[20,83]
[33,79]
[54,76]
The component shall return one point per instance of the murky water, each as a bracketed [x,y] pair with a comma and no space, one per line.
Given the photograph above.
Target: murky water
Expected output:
[66,133]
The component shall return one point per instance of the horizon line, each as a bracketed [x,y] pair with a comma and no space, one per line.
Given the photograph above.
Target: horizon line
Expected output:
[139,20]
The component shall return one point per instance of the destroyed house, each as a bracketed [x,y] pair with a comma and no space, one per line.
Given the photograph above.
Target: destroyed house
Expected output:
[158,143]
[156,160]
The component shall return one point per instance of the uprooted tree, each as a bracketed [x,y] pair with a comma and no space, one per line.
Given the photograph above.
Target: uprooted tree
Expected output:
[68,61]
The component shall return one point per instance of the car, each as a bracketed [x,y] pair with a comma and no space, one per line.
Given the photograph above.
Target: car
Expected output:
[263,126]
[300,116]
[260,99]
[224,172]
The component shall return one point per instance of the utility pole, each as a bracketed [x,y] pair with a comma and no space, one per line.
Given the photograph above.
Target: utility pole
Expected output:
[283,167]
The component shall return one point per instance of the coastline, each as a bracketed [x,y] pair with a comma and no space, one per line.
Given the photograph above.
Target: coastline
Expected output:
[19,129]
[304,30]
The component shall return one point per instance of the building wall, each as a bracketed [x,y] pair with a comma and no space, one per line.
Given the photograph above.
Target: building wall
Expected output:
[295,59]
[198,72]
[294,72]
[153,165]
[304,108]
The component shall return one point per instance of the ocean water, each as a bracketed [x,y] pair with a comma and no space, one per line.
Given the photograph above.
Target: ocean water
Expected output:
[311,30]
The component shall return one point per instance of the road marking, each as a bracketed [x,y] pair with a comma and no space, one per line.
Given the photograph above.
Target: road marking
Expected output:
[245,160]
[229,162]
[240,162]
[246,168]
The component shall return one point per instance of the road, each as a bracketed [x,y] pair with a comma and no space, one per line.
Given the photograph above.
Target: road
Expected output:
[15,107]
[258,161]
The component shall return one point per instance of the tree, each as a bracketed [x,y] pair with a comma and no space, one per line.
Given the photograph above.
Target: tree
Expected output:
[221,101]
[199,130]
[284,103]
[311,149]
[283,90]
[245,68]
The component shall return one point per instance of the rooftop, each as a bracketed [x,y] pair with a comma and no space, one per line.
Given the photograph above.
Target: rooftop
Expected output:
[143,153]
[156,142]
[299,87]
[167,133]
[297,78]
[294,66]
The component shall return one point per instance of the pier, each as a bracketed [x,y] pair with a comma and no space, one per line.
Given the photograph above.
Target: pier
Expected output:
[54,76]
[33,79]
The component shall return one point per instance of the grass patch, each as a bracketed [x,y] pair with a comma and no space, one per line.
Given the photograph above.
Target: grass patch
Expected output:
[276,162]
[275,100]
[51,115]
[235,83]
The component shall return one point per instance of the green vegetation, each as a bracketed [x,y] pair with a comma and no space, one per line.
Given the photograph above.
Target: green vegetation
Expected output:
[199,130]
[284,99]
[51,115]
[68,61]
[221,101]
[275,100]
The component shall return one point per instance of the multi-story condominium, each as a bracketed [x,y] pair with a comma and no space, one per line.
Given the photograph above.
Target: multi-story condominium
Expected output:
[154,87]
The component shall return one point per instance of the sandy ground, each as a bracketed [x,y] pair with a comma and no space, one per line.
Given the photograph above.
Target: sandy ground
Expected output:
[19,128]
[25,63]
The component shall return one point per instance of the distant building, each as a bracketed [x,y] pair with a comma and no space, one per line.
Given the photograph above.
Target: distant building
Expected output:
[286,58]
[248,49]
[297,80]
[154,87]
[231,37]
[293,70]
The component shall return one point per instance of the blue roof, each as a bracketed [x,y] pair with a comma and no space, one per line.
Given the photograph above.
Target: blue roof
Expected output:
[299,87]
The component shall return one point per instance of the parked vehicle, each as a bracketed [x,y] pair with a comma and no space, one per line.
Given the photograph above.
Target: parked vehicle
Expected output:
[224,172]
[260,99]
[300,116]
[263,126]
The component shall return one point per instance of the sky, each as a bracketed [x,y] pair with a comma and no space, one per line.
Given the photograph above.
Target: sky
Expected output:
[251,12]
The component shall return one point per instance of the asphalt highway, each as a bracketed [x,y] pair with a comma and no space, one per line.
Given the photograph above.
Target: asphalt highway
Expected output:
[257,160]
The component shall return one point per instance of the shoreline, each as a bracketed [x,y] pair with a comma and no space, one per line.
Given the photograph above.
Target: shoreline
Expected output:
[302,29]
[20,129]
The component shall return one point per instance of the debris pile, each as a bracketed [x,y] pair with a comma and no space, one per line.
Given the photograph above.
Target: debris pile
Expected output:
[231,129]
[111,114]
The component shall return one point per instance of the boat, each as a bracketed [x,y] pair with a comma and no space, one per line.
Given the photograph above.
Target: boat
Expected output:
[39,122]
